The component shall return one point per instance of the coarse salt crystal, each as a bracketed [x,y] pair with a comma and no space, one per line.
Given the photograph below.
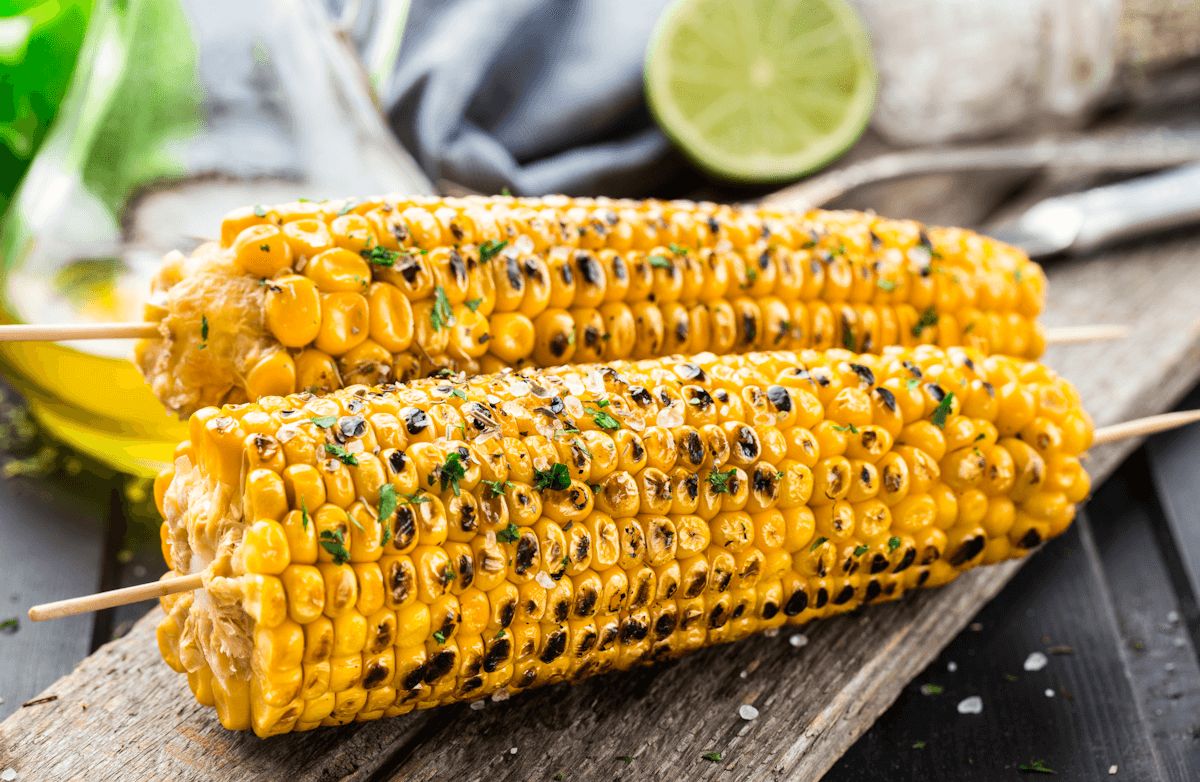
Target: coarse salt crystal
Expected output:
[747,712]
[1112,770]
[951,666]
[500,696]
[512,750]
[1172,618]
[770,632]
[477,705]
[8,774]
[743,674]
[1036,661]
[354,446]
[544,580]
[518,388]
[972,705]
[1049,693]
[798,640]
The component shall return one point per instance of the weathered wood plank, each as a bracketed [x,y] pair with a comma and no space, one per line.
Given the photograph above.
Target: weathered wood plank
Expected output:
[815,702]
[51,544]
[1172,459]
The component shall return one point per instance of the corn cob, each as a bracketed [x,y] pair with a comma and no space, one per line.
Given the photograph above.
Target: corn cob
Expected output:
[311,296]
[376,551]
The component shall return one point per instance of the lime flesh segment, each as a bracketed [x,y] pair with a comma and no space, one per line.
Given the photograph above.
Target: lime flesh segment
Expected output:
[761,90]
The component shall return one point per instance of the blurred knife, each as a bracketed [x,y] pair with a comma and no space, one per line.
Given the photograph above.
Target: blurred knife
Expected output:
[1080,222]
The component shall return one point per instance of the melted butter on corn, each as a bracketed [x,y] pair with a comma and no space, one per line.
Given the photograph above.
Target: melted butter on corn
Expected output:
[375,551]
[316,296]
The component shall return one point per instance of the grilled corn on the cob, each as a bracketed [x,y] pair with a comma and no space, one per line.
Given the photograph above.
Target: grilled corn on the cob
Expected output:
[310,296]
[380,550]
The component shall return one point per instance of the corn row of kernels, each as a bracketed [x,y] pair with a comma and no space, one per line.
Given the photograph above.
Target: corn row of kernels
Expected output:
[450,538]
[386,290]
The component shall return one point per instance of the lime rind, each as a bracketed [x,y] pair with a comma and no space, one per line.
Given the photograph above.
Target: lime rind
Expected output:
[815,108]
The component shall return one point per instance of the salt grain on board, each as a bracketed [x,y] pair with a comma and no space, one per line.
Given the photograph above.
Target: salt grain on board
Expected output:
[798,640]
[8,774]
[972,705]
[1036,661]
[1112,770]
[477,705]
[951,666]
[747,712]
[1049,693]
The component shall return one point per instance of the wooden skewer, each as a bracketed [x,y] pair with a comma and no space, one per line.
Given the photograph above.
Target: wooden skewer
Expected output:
[1065,335]
[63,332]
[116,597]
[1140,427]
[169,586]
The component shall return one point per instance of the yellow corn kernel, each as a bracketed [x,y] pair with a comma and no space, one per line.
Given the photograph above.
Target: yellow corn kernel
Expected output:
[262,250]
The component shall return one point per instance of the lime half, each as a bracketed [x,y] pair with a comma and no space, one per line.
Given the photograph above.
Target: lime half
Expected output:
[761,90]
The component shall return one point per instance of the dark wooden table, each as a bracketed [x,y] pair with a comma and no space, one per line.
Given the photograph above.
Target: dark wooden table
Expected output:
[1112,605]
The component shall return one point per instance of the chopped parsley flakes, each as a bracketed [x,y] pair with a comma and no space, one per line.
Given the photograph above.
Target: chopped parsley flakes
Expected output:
[324,421]
[509,534]
[659,262]
[380,256]
[304,514]
[821,541]
[453,471]
[928,319]
[893,543]
[497,488]
[851,428]
[203,332]
[387,502]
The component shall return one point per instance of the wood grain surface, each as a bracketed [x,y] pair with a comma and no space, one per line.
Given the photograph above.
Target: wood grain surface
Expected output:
[123,714]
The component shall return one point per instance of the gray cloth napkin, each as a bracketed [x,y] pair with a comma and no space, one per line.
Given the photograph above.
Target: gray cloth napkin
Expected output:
[539,96]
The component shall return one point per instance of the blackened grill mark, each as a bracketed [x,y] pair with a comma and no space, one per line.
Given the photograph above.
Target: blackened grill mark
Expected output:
[969,551]
[633,630]
[780,398]
[640,395]
[879,563]
[913,369]
[512,270]
[747,441]
[864,373]
[397,461]
[930,555]
[413,679]
[583,547]
[375,675]
[643,593]
[723,579]
[910,555]
[991,391]
[472,684]
[591,336]
[696,585]
[566,274]
[585,602]
[609,637]
[589,268]
[738,611]
[458,268]
[665,626]
[438,666]
[750,327]
[694,447]
[1030,538]
[887,398]
[586,642]
[717,618]
[844,596]
[526,553]
[558,344]
[508,612]
[466,570]
[873,590]
[700,399]
[556,644]
[922,577]
[769,610]
[416,421]
[400,583]
[822,598]
[409,269]
[796,603]
[636,450]
[404,527]
[534,272]
[619,270]
[527,678]
[562,609]
[691,485]
[937,392]
[497,655]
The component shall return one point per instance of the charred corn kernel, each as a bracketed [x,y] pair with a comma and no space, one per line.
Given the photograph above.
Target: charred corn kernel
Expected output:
[548,280]
[525,527]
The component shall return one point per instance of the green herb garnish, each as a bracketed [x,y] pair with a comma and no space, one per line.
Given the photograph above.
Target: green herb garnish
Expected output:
[324,421]
[720,480]
[932,689]
[942,410]
[558,478]
[473,304]
[928,319]
[602,419]
[346,207]
[10,625]
[678,249]
[919,745]
[489,249]
[886,285]
[439,636]
[860,550]
[453,471]
[387,502]
[334,542]
[497,488]
[344,456]
[441,316]
[380,256]
[509,534]
[821,541]
[303,514]
[660,262]
[893,543]
[715,757]
[1036,767]
[203,332]
[851,428]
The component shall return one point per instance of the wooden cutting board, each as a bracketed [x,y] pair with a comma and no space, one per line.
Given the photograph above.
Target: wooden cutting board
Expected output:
[122,714]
